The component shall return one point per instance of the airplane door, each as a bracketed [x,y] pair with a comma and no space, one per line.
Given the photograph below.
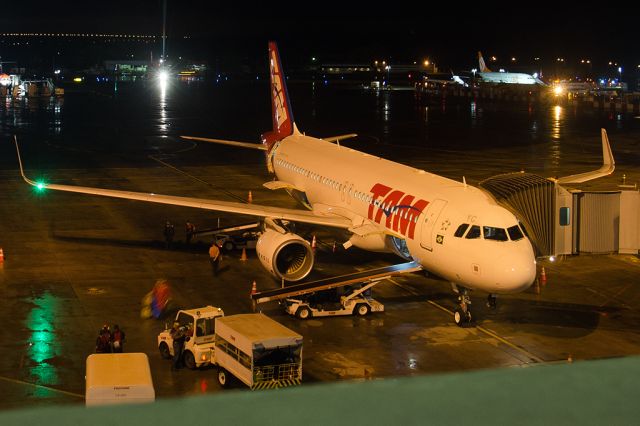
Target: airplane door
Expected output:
[431,216]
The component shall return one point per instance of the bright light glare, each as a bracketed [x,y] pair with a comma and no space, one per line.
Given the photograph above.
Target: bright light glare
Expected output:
[163,76]
[552,258]
[558,90]
[40,186]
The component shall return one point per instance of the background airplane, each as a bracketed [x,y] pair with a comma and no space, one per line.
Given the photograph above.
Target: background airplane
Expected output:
[505,77]
[452,229]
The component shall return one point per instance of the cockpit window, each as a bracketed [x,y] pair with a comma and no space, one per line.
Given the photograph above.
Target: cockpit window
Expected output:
[515,233]
[461,230]
[474,232]
[523,229]
[497,234]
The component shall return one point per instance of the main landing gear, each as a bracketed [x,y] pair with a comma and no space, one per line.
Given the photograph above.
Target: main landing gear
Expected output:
[462,315]
[491,301]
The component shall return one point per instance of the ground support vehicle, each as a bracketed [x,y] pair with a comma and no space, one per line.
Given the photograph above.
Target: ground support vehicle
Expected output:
[257,350]
[356,302]
[199,324]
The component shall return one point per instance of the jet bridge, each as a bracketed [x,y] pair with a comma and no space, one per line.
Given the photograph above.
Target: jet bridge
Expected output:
[533,200]
[369,276]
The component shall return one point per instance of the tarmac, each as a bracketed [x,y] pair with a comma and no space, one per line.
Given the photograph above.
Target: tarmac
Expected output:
[74,262]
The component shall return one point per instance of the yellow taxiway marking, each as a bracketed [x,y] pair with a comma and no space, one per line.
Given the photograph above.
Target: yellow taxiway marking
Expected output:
[484,330]
[21,382]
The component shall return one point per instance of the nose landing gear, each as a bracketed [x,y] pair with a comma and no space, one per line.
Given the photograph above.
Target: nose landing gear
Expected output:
[462,315]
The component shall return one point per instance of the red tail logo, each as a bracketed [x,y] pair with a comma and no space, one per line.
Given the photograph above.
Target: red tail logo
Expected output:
[280,108]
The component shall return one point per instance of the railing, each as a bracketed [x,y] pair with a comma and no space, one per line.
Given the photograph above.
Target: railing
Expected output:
[278,372]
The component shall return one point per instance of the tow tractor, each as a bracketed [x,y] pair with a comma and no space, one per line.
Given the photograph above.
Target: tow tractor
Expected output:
[356,302]
[197,349]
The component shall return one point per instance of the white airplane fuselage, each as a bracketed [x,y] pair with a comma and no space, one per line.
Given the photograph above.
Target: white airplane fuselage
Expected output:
[509,78]
[422,208]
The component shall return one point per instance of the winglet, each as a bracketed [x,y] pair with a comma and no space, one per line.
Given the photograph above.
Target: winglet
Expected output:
[608,164]
[26,179]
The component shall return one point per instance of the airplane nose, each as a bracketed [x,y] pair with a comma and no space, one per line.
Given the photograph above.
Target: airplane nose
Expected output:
[519,272]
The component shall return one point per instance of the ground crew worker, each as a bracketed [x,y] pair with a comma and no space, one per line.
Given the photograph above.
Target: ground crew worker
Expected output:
[214,257]
[169,232]
[178,335]
[117,339]
[103,342]
[189,230]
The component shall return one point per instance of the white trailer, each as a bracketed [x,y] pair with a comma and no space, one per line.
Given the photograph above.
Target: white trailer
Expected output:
[257,350]
[118,379]
[358,302]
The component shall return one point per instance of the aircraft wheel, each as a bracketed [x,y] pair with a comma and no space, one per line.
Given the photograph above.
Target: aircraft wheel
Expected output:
[229,246]
[362,309]
[303,313]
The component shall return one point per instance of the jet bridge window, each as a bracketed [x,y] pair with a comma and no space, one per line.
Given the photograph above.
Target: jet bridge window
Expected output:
[515,233]
[473,233]
[496,234]
[461,230]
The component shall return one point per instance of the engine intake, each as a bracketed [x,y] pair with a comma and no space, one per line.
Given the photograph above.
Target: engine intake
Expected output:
[286,256]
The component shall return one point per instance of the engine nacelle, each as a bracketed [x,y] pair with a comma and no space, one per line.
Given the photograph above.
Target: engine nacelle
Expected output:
[286,256]
[381,243]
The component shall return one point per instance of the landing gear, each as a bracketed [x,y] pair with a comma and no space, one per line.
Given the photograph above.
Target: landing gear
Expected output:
[462,315]
[491,301]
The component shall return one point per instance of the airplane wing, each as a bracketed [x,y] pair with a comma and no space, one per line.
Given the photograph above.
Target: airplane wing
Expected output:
[608,165]
[295,215]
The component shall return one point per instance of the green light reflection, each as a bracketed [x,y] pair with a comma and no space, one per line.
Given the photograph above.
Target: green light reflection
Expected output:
[42,345]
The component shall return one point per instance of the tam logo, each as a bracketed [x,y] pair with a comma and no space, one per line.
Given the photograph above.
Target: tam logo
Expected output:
[280,113]
[397,207]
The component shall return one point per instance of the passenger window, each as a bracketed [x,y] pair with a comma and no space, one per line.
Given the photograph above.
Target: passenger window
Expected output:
[515,233]
[474,232]
[496,234]
[461,230]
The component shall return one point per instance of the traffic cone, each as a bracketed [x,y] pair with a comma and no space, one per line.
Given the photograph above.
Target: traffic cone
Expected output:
[254,289]
[543,276]
[313,243]
[537,287]
[244,254]
[1,255]
[250,198]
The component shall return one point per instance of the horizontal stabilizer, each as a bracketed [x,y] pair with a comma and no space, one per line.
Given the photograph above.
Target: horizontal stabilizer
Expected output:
[608,165]
[339,138]
[226,142]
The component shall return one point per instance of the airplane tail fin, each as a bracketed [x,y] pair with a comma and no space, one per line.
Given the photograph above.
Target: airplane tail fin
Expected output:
[483,66]
[283,124]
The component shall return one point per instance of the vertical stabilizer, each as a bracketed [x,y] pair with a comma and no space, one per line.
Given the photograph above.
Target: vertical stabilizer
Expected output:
[483,66]
[282,115]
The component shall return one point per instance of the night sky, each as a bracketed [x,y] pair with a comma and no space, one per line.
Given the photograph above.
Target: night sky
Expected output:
[452,32]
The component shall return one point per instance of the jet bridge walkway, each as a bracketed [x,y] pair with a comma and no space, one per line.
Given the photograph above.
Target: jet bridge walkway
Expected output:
[368,276]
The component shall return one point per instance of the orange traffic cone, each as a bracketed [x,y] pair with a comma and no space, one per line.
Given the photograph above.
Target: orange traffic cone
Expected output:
[1,255]
[313,243]
[250,198]
[543,276]
[244,254]
[254,289]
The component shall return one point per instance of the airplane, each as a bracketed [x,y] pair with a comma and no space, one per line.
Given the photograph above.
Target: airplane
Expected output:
[454,80]
[452,229]
[505,77]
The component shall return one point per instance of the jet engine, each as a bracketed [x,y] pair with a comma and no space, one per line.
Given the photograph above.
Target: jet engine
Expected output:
[286,255]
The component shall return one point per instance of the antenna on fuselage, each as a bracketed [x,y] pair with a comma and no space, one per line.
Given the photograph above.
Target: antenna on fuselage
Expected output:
[464,181]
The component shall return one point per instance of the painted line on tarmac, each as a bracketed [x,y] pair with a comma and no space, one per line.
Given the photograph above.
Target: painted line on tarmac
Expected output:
[21,382]
[484,330]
